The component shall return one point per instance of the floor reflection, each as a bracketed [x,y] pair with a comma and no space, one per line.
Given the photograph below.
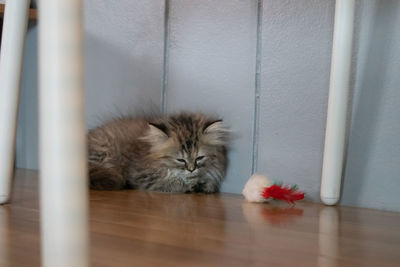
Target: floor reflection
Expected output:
[272,213]
[328,235]
[4,235]
[266,224]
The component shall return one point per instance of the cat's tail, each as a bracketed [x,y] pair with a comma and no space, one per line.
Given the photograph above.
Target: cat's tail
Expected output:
[102,178]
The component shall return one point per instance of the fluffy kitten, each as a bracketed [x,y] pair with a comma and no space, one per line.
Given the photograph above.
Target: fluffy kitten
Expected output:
[179,153]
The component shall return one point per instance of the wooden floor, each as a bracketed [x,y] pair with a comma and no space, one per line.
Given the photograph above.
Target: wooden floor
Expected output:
[131,228]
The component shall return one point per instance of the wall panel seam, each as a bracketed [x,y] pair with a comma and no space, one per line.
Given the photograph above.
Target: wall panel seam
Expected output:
[257,88]
[165,58]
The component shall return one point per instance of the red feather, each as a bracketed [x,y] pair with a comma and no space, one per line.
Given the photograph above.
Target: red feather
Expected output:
[280,192]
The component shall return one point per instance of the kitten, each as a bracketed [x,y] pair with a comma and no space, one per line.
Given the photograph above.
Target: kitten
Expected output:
[180,153]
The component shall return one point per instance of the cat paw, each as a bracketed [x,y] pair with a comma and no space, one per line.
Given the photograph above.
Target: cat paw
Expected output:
[207,188]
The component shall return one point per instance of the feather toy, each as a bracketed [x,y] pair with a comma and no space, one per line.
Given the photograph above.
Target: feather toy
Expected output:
[280,192]
[260,189]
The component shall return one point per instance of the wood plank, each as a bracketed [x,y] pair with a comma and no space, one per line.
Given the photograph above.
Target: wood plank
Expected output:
[133,228]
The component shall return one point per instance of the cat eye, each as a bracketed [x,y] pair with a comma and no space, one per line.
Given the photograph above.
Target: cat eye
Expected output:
[181,160]
[199,158]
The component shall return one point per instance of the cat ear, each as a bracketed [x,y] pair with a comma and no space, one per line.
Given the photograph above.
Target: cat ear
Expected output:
[157,133]
[215,133]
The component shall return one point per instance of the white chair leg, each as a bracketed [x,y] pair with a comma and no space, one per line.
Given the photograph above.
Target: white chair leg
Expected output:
[337,105]
[12,50]
[63,176]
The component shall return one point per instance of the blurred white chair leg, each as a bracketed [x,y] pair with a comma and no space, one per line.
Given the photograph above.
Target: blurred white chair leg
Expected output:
[337,105]
[63,176]
[12,50]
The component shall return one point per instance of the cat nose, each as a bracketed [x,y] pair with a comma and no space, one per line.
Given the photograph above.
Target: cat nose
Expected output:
[191,167]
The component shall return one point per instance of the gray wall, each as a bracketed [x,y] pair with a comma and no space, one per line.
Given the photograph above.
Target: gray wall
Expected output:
[372,176]
[209,64]
[123,67]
